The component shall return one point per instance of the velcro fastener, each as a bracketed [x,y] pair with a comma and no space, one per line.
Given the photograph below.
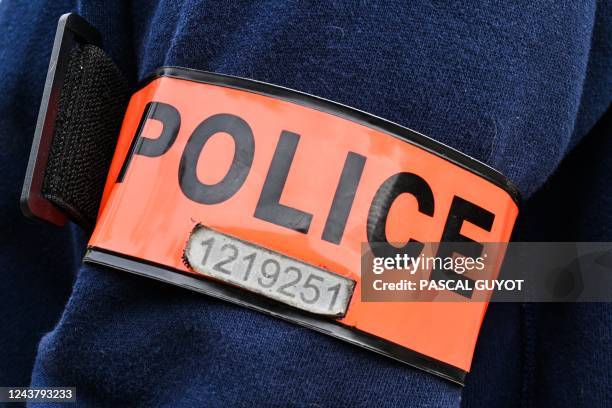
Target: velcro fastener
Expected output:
[93,98]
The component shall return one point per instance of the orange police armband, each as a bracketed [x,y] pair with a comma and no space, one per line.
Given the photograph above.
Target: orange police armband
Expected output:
[266,197]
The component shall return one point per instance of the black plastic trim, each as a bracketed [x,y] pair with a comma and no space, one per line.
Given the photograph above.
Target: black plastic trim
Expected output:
[337,109]
[262,304]
[72,30]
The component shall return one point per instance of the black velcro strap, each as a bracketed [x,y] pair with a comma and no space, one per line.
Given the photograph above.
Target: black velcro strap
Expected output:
[93,98]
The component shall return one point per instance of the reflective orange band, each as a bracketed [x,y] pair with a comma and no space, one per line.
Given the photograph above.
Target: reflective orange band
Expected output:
[259,166]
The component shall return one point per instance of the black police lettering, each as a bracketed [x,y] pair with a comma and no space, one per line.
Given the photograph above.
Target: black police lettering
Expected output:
[144,146]
[393,187]
[453,242]
[171,121]
[244,150]
[268,207]
[343,198]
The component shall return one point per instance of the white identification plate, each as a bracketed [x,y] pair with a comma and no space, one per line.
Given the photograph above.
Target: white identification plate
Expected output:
[268,273]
